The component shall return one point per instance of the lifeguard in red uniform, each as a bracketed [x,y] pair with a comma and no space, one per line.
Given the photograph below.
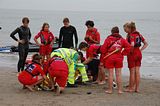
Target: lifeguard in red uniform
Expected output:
[47,40]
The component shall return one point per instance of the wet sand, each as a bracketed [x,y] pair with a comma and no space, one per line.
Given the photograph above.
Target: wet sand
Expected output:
[12,94]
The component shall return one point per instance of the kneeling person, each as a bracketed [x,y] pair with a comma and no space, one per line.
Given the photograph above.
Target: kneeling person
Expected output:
[58,71]
[33,74]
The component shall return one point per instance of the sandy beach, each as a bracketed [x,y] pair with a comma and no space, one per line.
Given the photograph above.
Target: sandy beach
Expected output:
[12,94]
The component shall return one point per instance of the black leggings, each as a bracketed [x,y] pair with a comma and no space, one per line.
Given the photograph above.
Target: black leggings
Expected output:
[23,52]
[93,66]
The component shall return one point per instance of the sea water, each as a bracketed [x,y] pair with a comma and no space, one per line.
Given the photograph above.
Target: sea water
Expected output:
[148,24]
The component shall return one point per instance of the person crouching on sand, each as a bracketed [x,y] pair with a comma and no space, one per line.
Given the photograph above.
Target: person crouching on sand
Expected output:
[47,40]
[92,54]
[113,57]
[135,56]
[58,73]
[33,74]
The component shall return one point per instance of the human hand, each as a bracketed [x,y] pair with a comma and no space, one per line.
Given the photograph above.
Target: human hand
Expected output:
[90,38]
[21,41]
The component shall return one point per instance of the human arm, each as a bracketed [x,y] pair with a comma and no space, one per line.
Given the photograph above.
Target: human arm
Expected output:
[76,37]
[60,37]
[52,39]
[42,73]
[97,40]
[88,60]
[36,37]
[145,45]
[30,35]
[12,35]
[127,47]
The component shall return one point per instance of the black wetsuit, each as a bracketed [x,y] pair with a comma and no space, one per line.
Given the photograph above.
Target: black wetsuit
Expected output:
[24,34]
[66,37]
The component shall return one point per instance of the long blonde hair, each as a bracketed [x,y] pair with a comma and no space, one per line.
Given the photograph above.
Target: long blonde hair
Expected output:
[133,26]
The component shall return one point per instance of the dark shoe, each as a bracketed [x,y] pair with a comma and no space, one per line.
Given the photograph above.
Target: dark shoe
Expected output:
[72,85]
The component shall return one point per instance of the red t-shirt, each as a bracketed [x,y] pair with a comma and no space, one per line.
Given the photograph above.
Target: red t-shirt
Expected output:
[94,34]
[112,43]
[92,51]
[48,36]
[35,69]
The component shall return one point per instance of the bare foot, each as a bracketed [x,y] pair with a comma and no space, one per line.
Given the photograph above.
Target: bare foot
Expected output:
[129,90]
[120,92]
[30,88]
[24,87]
[95,82]
[137,91]
[58,91]
[108,92]
[102,82]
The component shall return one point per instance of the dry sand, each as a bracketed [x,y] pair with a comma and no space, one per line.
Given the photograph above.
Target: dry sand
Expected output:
[12,94]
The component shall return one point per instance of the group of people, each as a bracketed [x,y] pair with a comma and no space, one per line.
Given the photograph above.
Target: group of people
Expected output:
[67,65]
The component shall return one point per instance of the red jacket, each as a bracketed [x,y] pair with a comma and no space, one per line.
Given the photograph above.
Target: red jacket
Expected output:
[45,37]
[135,37]
[114,42]
[93,51]
[34,69]
[94,34]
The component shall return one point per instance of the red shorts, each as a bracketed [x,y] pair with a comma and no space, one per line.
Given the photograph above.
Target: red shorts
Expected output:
[114,63]
[45,50]
[27,79]
[60,75]
[134,60]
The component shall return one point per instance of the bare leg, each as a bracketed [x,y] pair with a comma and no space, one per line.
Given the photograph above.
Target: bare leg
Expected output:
[119,80]
[131,80]
[59,90]
[110,81]
[137,79]
[102,74]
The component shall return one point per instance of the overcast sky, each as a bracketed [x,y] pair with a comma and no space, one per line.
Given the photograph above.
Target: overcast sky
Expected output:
[83,5]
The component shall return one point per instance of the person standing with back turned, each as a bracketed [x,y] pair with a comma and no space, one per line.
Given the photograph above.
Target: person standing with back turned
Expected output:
[23,42]
[66,35]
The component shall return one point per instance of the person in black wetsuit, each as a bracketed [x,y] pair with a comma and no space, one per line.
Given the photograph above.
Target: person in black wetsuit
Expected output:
[66,35]
[23,42]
